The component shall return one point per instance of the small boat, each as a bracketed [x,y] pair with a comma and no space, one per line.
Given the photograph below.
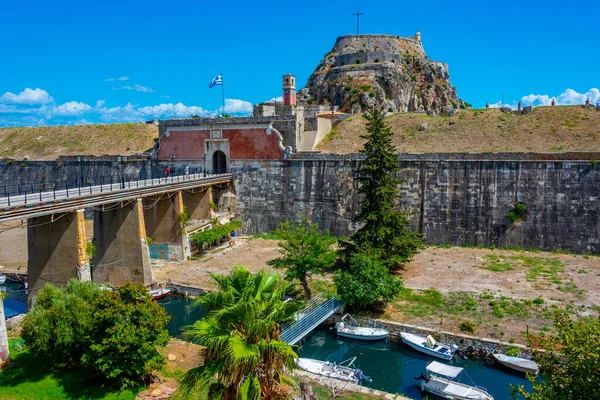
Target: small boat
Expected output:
[439,381]
[2,279]
[159,293]
[343,371]
[349,328]
[427,345]
[517,363]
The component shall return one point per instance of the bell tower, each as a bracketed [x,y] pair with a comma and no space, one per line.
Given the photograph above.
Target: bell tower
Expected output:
[289,90]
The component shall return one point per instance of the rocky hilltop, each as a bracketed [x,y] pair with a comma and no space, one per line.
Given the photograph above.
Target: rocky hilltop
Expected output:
[389,71]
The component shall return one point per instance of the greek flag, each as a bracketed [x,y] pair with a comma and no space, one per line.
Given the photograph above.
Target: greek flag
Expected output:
[218,80]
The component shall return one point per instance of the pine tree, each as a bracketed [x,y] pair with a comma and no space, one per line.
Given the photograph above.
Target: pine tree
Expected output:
[385,233]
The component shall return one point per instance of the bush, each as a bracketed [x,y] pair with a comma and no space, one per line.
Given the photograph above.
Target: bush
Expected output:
[538,301]
[216,233]
[127,331]
[518,213]
[114,334]
[57,329]
[512,351]
[467,326]
[366,283]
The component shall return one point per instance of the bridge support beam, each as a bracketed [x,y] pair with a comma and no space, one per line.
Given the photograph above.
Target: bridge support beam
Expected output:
[164,224]
[121,250]
[57,250]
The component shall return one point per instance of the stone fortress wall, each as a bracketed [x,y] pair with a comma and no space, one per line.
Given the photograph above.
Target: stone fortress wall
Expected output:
[352,49]
[458,199]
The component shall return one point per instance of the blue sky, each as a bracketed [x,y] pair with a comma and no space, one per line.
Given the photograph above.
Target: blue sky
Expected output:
[111,61]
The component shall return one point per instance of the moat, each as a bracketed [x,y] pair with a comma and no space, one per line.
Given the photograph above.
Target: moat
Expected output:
[392,366]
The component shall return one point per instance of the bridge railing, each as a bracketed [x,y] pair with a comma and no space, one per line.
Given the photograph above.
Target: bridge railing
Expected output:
[71,188]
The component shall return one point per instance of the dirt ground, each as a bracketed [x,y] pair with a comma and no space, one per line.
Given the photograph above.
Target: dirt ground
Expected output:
[477,277]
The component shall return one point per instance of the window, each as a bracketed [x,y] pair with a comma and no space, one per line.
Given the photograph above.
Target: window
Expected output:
[287,91]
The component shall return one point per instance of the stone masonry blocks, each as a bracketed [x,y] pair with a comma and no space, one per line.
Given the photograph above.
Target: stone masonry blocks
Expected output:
[56,246]
[121,251]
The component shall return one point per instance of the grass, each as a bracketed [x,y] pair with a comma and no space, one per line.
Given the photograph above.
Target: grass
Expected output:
[496,263]
[25,378]
[324,393]
[541,131]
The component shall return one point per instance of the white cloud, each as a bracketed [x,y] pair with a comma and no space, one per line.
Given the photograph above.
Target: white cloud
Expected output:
[74,112]
[276,100]
[71,108]
[136,87]
[236,106]
[27,96]
[566,98]
[122,78]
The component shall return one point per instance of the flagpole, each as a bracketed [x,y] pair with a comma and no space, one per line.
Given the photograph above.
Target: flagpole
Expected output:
[223,93]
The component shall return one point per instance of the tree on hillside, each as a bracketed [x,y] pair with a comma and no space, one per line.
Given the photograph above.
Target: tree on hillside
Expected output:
[243,356]
[366,283]
[385,232]
[306,250]
[570,362]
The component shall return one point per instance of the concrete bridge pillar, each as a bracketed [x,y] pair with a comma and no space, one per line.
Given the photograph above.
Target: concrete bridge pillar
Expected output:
[197,203]
[165,225]
[57,250]
[121,250]
[224,198]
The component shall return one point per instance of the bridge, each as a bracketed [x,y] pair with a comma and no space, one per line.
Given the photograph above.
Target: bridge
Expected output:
[315,312]
[126,215]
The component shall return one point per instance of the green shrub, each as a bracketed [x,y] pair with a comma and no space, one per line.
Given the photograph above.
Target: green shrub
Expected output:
[128,327]
[91,250]
[365,87]
[467,326]
[115,334]
[216,233]
[366,283]
[512,351]
[347,88]
[9,163]
[593,163]
[518,213]
[371,94]
[538,301]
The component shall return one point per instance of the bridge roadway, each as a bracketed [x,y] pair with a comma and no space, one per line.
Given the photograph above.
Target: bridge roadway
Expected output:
[51,202]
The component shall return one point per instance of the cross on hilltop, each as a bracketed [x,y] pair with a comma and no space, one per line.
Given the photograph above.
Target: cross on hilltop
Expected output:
[358,14]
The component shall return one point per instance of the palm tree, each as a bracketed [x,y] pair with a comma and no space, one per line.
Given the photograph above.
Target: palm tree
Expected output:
[243,356]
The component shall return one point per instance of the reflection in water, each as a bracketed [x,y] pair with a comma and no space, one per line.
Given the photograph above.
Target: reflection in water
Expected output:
[16,299]
[393,366]
[183,313]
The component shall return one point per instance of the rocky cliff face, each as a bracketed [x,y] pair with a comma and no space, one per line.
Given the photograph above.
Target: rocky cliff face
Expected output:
[394,73]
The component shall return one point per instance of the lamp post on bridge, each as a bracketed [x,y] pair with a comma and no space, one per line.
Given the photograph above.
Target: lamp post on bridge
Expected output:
[204,164]
[122,161]
[172,157]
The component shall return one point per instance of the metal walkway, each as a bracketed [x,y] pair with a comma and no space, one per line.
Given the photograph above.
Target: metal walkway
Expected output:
[312,315]
[69,199]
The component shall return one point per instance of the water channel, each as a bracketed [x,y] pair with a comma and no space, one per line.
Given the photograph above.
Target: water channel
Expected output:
[392,366]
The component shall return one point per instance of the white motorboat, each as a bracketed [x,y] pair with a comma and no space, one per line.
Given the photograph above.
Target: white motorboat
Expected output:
[427,345]
[517,363]
[349,328]
[343,371]
[439,381]
[2,279]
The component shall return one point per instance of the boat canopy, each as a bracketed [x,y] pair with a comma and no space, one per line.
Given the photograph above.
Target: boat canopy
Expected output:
[443,369]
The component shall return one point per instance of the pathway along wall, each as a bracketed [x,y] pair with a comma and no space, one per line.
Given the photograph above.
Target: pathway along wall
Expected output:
[452,201]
